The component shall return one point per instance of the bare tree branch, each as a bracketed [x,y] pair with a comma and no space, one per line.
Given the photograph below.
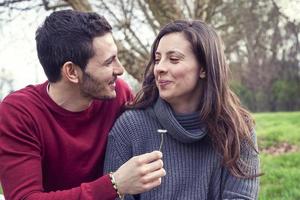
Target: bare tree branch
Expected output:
[81,5]
[199,9]
[149,19]
[186,5]
[8,2]
[126,26]
[164,11]
[53,7]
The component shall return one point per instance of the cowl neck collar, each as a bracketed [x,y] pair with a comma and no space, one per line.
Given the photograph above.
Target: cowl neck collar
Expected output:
[168,121]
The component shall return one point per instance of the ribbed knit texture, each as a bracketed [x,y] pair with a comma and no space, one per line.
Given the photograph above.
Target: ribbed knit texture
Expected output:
[189,122]
[193,167]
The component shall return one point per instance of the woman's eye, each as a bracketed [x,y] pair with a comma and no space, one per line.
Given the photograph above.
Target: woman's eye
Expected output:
[174,60]
[156,61]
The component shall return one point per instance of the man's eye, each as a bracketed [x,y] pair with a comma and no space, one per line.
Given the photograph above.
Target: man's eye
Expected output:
[109,62]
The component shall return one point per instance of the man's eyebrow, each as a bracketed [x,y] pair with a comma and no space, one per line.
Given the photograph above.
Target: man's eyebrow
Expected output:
[109,60]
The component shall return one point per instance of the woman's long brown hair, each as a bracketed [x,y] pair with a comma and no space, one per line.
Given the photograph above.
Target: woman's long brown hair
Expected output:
[228,122]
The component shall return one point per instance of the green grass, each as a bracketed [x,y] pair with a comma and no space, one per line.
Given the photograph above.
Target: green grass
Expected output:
[274,128]
[281,179]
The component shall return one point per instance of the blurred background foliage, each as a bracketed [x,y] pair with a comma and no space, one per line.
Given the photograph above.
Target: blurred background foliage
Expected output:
[262,42]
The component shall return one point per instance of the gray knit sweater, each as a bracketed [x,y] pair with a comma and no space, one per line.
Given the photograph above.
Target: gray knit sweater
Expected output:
[193,167]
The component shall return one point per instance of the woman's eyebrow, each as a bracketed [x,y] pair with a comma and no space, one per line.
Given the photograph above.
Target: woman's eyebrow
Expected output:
[177,53]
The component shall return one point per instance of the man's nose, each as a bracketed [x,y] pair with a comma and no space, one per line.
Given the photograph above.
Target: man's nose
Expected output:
[118,68]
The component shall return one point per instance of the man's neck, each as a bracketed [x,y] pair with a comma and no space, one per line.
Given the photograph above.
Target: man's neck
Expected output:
[68,96]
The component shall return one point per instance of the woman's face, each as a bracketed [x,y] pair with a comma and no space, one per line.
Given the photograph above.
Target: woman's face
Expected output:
[177,72]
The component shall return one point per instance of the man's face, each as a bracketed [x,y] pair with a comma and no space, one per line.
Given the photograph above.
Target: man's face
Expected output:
[98,81]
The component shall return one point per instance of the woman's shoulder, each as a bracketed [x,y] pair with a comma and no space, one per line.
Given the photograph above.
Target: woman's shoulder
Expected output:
[133,118]
[133,114]
[131,125]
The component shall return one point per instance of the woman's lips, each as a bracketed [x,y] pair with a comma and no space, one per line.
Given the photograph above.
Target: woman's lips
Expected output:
[164,83]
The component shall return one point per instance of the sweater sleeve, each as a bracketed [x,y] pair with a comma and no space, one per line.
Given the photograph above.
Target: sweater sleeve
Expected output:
[119,149]
[21,161]
[243,188]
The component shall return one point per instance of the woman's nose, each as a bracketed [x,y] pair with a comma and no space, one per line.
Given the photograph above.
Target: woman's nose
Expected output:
[160,67]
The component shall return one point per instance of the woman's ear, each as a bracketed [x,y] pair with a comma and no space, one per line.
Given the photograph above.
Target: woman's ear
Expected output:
[202,74]
[71,72]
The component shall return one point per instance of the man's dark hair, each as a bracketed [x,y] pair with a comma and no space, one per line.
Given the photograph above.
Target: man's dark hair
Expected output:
[67,35]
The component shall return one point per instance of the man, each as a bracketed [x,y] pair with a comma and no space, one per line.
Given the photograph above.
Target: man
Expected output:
[53,135]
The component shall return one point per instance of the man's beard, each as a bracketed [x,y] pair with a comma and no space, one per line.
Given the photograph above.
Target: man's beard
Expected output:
[92,88]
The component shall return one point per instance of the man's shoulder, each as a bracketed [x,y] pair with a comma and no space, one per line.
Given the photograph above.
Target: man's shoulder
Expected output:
[23,97]
[121,84]
[123,89]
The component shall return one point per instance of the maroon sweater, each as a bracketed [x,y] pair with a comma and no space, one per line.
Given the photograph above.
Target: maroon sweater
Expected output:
[47,152]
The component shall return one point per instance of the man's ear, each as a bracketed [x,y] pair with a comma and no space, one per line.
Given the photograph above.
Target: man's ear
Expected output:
[202,73]
[71,72]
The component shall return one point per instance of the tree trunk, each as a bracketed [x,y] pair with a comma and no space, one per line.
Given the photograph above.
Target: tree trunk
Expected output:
[81,5]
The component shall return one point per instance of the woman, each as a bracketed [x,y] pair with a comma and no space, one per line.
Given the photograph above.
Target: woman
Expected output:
[186,105]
